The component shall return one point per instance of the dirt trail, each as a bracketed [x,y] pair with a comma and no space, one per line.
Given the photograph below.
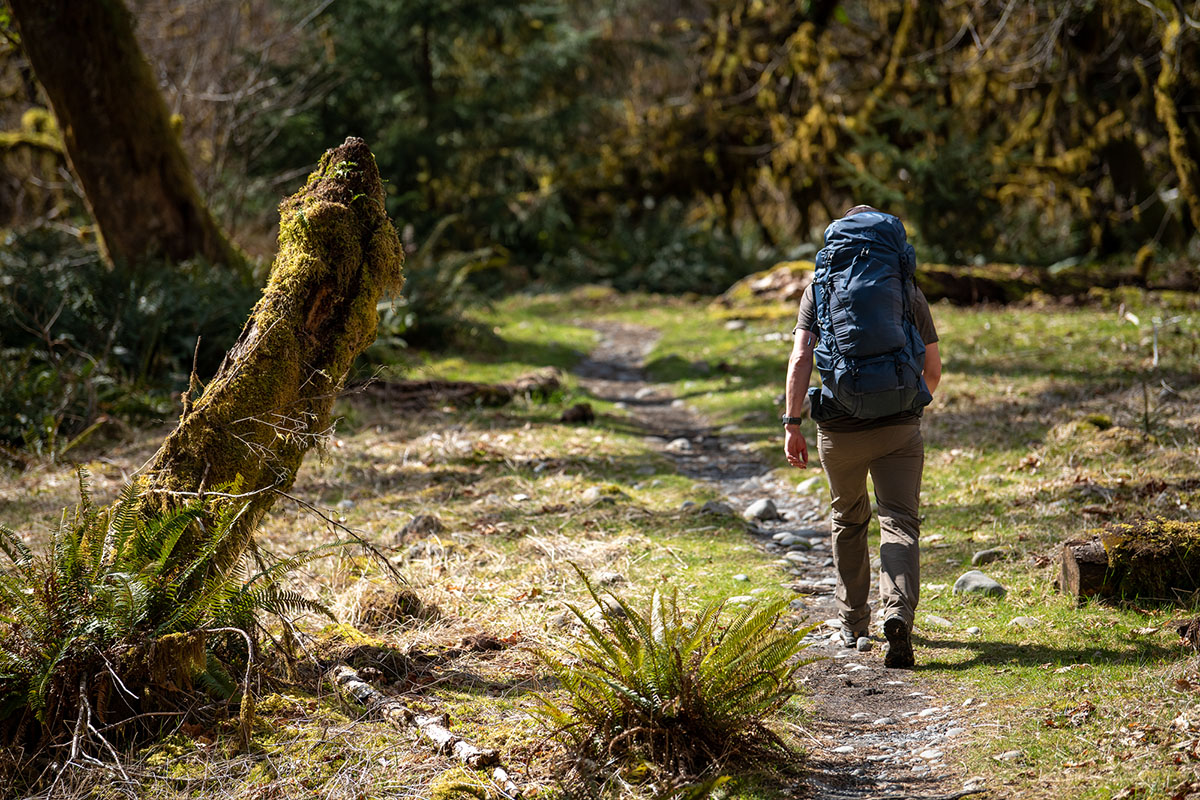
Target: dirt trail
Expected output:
[875,733]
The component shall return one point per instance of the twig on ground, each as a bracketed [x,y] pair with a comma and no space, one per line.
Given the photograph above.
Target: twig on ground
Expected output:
[433,727]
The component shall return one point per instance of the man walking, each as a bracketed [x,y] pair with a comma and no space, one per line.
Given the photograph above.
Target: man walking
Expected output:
[869,329]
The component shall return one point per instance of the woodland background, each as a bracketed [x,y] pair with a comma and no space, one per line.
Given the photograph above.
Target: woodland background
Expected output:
[662,146]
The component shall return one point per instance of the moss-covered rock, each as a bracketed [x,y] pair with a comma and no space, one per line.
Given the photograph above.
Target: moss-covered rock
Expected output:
[785,282]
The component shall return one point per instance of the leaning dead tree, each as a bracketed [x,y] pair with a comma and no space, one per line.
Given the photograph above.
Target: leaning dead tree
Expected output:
[272,398]
[118,133]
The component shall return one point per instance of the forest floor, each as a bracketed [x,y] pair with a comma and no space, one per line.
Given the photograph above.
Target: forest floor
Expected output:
[1050,421]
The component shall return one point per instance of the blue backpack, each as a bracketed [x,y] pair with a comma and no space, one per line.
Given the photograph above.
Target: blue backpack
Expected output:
[870,354]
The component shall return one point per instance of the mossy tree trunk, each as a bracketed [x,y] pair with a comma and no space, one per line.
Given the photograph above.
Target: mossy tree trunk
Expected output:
[272,398]
[1181,149]
[117,132]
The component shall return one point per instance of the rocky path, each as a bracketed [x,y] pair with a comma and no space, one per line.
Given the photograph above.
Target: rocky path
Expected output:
[875,733]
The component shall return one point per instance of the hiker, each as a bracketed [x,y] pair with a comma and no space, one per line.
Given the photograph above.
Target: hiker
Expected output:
[869,329]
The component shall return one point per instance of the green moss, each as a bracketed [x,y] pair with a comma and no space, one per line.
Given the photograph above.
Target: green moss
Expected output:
[272,399]
[1154,559]
[460,784]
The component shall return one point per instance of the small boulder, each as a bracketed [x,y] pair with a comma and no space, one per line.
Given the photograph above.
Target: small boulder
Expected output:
[808,484]
[716,507]
[975,582]
[680,445]
[1024,622]
[938,622]
[762,509]
[988,556]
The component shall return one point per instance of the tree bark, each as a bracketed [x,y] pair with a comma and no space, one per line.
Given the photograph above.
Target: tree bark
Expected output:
[1084,569]
[118,134]
[272,397]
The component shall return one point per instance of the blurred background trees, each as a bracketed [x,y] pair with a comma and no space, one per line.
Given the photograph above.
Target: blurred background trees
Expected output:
[668,145]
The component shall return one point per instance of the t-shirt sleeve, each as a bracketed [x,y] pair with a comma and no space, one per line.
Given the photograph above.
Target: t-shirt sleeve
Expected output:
[806,320]
[922,317]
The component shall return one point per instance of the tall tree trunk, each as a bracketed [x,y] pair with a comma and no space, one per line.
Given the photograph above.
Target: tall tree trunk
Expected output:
[117,132]
[1182,159]
[271,399]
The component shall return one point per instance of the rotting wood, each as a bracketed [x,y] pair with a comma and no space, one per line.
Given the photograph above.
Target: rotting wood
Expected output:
[434,727]
[1084,569]
[1150,559]
[425,394]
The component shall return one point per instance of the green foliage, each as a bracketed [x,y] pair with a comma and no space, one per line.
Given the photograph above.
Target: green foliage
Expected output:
[102,618]
[685,691]
[472,109]
[81,340]
[664,249]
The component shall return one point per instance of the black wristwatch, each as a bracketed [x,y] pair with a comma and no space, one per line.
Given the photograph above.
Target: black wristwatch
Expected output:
[792,420]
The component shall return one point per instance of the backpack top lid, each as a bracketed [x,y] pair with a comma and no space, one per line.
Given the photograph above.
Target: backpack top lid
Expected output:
[877,227]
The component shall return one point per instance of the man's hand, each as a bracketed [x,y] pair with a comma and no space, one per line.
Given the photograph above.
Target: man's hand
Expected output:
[795,447]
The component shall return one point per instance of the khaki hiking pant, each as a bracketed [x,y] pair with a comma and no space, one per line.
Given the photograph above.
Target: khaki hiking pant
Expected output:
[895,457]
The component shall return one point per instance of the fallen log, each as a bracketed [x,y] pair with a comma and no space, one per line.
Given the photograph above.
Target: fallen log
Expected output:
[434,727]
[426,394]
[1147,560]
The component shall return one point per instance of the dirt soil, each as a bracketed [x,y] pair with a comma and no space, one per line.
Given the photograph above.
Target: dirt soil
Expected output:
[874,732]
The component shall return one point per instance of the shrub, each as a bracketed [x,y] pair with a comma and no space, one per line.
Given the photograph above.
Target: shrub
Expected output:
[683,691]
[97,627]
[80,340]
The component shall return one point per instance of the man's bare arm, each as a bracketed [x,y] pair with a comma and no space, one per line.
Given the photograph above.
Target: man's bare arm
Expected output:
[933,367]
[799,372]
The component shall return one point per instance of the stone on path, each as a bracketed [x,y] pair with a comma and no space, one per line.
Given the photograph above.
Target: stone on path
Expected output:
[680,445]
[975,582]
[716,507]
[863,644]
[808,484]
[988,556]
[762,510]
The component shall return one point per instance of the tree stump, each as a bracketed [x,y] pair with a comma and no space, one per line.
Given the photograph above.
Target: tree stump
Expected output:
[272,397]
[1153,560]
[1084,569]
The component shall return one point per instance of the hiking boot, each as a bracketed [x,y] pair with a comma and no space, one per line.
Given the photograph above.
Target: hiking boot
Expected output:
[850,637]
[899,653]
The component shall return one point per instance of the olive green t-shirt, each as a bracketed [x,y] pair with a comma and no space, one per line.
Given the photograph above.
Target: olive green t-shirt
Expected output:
[807,320]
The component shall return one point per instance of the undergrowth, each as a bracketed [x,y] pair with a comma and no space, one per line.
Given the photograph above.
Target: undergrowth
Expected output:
[684,691]
[97,631]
